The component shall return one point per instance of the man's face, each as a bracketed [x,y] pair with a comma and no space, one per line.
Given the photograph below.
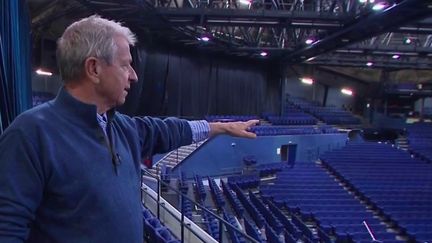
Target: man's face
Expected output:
[117,76]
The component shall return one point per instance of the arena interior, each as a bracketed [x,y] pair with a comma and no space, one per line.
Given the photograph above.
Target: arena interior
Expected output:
[342,89]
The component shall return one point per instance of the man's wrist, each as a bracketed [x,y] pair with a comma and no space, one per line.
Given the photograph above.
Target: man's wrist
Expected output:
[216,128]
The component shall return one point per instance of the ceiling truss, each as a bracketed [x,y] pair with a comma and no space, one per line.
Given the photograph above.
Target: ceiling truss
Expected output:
[344,32]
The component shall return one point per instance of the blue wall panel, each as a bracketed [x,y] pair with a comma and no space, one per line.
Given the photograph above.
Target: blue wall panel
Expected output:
[223,154]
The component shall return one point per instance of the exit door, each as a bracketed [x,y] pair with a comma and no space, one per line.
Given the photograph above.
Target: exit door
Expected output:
[289,152]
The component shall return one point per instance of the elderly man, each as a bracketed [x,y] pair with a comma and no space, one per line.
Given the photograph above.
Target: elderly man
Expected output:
[69,169]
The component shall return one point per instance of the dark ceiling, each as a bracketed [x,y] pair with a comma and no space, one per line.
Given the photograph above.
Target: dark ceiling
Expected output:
[346,33]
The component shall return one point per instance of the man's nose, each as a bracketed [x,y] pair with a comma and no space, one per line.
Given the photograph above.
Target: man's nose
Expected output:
[133,77]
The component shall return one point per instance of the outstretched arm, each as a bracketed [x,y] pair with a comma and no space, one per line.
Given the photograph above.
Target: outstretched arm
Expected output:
[236,129]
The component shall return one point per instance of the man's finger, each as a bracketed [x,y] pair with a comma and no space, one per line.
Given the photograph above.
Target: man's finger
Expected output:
[252,123]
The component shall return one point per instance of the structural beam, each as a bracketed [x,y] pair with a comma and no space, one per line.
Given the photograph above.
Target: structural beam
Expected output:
[372,25]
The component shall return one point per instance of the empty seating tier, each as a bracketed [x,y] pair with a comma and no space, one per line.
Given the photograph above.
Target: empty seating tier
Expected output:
[390,181]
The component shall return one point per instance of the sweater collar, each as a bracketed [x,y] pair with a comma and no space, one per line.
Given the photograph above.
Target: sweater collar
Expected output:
[78,109]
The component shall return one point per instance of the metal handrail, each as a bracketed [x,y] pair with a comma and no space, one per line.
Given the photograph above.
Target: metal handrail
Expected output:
[184,196]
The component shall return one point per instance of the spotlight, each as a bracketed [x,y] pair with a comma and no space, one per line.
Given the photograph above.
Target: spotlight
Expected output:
[306,80]
[205,38]
[379,6]
[346,91]
[309,41]
[310,59]
[395,56]
[369,64]
[263,54]
[246,2]
[43,72]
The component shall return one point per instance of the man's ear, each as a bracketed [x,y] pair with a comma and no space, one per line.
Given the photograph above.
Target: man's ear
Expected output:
[92,69]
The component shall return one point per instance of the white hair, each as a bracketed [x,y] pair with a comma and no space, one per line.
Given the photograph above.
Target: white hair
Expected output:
[89,37]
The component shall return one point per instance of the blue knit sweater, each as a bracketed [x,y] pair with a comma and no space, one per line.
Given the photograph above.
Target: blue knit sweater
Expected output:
[63,180]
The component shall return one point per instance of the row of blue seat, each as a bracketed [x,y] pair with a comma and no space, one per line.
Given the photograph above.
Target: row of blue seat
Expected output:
[215,118]
[216,193]
[212,224]
[256,216]
[234,236]
[155,231]
[293,120]
[253,231]
[286,130]
[271,168]
[186,207]
[268,215]
[232,199]
[293,231]
[201,193]
[245,181]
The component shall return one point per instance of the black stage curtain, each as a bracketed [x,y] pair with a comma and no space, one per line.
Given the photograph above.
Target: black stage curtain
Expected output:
[186,85]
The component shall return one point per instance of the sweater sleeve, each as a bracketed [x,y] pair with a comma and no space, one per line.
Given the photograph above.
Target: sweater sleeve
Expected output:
[21,186]
[161,136]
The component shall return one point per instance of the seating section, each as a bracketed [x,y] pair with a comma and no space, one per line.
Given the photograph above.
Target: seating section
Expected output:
[186,206]
[200,190]
[253,231]
[256,216]
[333,115]
[329,115]
[293,118]
[216,193]
[277,226]
[229,118]
[232,199]
[245,181]
[308,193]
[271,168]
[289,227]
[155,231]
[212,224]
[234,236]
[420,140]
[363,192]
[291,130]
[268,215]
[271,235]
[397,186]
